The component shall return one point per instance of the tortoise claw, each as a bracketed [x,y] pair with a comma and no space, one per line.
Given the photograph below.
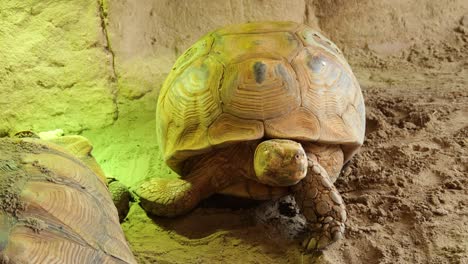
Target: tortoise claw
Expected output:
[329,233]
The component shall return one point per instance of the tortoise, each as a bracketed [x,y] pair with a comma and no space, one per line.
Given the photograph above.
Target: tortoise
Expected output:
[54,204]
[259,110]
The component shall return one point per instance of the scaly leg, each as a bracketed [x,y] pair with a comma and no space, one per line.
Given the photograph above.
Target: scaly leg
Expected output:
[167,197]
[207,175]
[322,206]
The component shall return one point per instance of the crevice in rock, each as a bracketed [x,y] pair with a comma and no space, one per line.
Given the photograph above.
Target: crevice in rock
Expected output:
[306,12]
[108,47]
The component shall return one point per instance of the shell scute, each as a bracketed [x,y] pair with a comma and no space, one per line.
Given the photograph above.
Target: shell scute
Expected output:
[188,109]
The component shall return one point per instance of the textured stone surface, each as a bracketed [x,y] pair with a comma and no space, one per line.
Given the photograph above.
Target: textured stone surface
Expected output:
[389,27]
[55,71]
[148,35]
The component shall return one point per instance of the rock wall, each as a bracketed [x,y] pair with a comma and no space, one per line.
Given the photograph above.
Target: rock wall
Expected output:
[69,64]
[55,71]
[390,27]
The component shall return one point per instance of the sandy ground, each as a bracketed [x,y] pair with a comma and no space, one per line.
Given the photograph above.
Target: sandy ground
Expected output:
[406,191]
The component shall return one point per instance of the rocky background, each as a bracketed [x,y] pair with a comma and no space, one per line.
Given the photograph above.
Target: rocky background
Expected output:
[94,67]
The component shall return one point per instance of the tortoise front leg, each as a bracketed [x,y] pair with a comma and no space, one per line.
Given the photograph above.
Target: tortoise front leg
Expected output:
[173,197]
[322,205]
[208,174]
[168,197]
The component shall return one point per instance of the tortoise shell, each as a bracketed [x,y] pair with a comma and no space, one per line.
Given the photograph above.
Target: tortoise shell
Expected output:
[259,80]
[55,206]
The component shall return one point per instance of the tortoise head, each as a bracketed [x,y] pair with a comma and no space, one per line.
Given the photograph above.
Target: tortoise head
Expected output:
[280,162]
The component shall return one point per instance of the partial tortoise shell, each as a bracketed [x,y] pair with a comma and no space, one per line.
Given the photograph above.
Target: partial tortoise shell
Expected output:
[55,206]
[259,80]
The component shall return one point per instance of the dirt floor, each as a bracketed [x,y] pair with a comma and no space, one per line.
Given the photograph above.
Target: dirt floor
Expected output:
[406,191]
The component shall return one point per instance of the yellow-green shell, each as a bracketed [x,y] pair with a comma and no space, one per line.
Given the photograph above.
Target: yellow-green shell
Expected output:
[255,80]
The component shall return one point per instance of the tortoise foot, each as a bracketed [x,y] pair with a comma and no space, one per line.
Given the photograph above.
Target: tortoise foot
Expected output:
[167,197]
[328,233]
[322,206]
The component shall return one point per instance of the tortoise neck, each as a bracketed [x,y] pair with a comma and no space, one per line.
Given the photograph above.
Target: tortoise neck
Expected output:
[220,168]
